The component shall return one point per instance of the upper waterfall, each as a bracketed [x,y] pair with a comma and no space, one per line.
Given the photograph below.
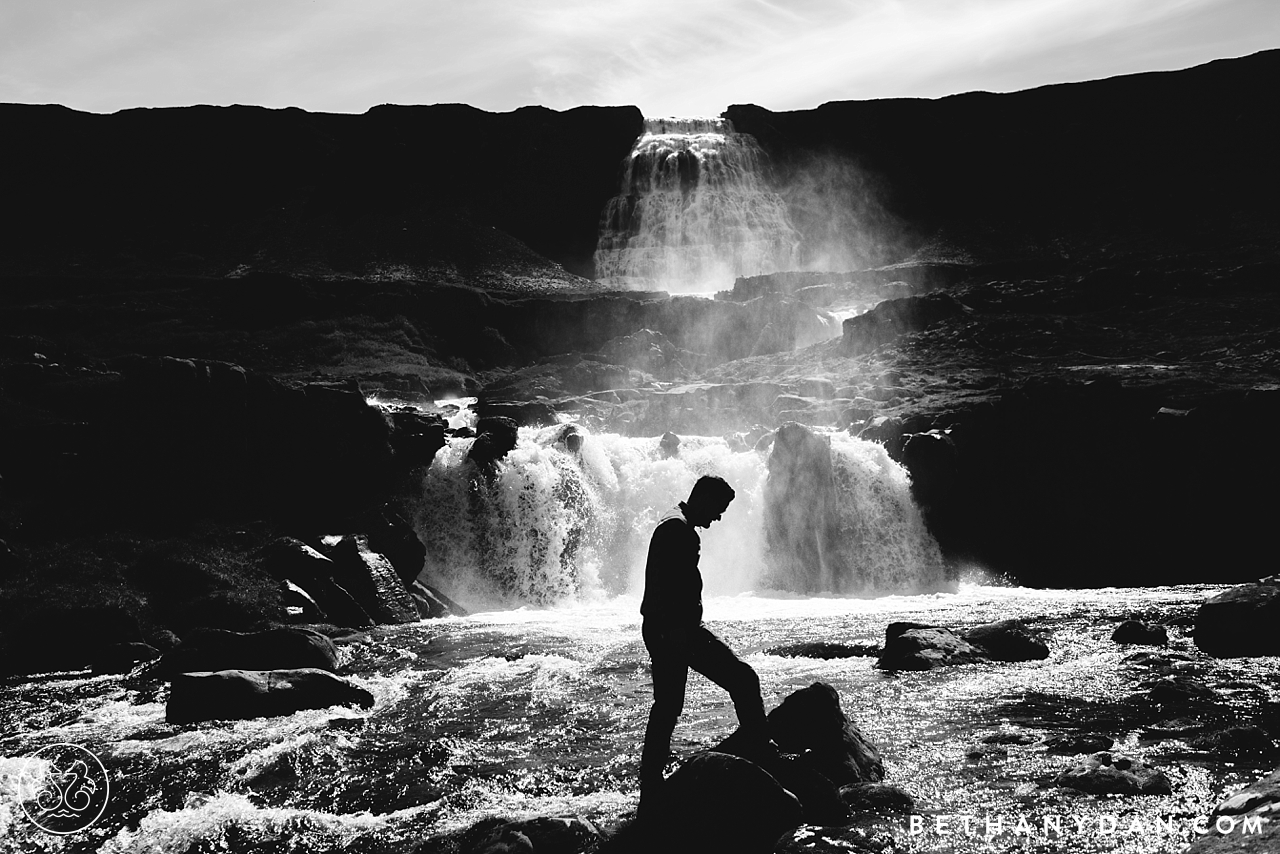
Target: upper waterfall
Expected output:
[693,212]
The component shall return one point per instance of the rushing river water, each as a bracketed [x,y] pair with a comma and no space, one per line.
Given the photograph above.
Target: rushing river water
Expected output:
[528,710]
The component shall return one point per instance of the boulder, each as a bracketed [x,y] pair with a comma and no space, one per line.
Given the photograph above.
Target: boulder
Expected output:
[238,694]
[371,580]
[1179,690]
[718,802]
[51,636]
[123,657]
[495,438]
[1138,632]
[1071,744]
[877,798]
[300,606]
[818,796]
[895,317]
[542,835]
[1241,622]
[1105,774]
[823,650]
[1236,741]
[272,649]
[810,722]
[924,648]
[432,604]
[416,436]
[804,549]
[393,536]
[1258,805]
[1007,640]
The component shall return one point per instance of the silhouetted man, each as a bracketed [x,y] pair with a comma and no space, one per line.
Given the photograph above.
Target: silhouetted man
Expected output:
[677,640]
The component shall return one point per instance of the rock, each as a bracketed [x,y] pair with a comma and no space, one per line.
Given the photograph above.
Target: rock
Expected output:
[669,444]
[823,650]
[818,796]
[718,802]
[1007,640]
[495,438]
[237,694]
[934,463]
[543,835]
[1104,774]
[300,606]
[1179,690]
[1248,822]
[272,649]
[123,657]
[416,436]
[1010,738]
[371,580]
[1241,622]
[286,558]
[811,723]
[925,648]
[393,536]
[1067,745]
[1236,741]
[818,387]
[877,798]
[804,550]
[1137,632]
[53,637]
[432,604]
[893,318]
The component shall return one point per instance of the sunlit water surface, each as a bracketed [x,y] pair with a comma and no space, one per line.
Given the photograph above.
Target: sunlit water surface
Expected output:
[534,712]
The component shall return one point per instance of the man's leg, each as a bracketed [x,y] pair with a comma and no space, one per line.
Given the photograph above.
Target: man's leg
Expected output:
[670,673]
[713,659]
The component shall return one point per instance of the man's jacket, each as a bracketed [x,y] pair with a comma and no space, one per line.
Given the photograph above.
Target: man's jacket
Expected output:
[672,582]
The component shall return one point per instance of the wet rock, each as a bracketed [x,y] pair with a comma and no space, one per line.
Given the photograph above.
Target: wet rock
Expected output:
[804,551]
[543,835]
[879,798]
[1137,632]
[818,796]
[1247,822]
[238,694]
[718,802]
[1105,774]
[1174,728]
[294,561]
[924,648]
[1241,622]
[1071,744]
[669,444]
[416,436]
[1010,738]
[123,657]
[1236,741]
[272,649]
[432,604]
[1155,660]
[811,723]
[1179,690]
[893,318]
[53,637]
[371,580]
[393,536]
[299,604]
[495,438]
[1007,640]
[823,650]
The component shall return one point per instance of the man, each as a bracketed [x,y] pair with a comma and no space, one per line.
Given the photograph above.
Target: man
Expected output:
[676,638]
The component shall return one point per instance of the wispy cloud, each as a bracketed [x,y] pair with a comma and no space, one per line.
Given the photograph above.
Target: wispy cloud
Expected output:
[667,56]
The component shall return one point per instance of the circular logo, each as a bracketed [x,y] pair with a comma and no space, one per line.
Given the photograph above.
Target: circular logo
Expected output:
[63,788]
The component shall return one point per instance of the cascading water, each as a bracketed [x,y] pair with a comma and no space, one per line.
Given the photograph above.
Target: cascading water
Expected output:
[693,212]
[552,526]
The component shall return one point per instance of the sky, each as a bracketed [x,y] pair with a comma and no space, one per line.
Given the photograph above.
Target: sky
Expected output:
[668,57]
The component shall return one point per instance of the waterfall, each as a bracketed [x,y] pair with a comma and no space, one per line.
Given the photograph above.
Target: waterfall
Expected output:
[553,526]
[693,212]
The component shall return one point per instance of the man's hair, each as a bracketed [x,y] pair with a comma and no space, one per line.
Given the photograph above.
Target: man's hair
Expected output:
[711,488]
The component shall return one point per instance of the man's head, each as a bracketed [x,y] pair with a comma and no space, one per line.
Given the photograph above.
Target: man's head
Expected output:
[708,499]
